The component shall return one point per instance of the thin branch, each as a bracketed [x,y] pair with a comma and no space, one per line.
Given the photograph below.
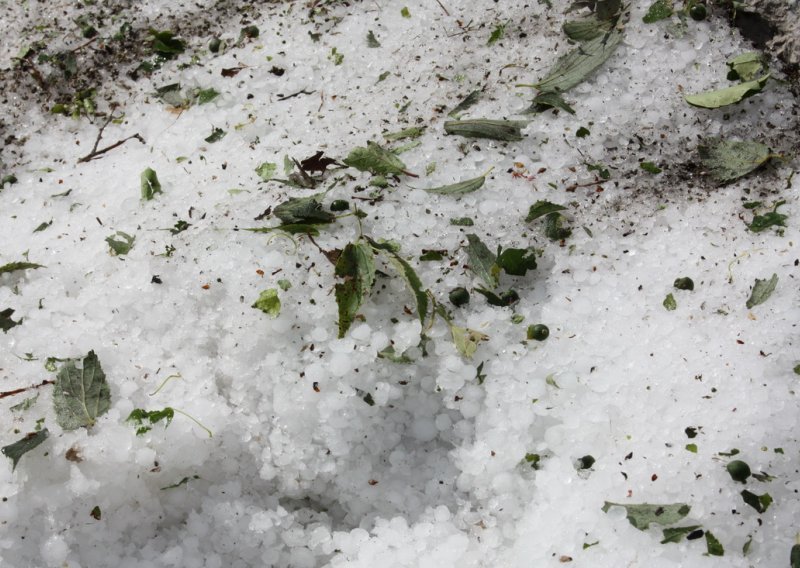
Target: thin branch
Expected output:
[95,153]
[303,92]
[23,389]
[443,8]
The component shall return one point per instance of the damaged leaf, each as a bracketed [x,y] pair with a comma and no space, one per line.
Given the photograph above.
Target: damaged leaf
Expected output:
[412,132]
[517,262]
[542,208]
[482,261]
[505,130]
[150,184]
[643,515]
[266,171]
[376,160]
[586,29]
[727,160]
[659,10]
[677,534]
[6,322]
[574,67]
[460,188]
[21,447]
[466,340]
[762,290]
[80,395]
[747,66]
[547,100]
[408,274]
[303,211]
[770,219]
[356,269]
[269,303]
[120,243]
[729,95]
[466,103]
[14,266]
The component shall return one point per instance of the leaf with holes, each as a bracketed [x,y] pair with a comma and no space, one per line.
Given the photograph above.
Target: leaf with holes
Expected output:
[81,395]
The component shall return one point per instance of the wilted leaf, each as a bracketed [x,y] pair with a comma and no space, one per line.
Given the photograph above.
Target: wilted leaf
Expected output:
[574,67]
[517,262]
[372,41]
[412,132]
[727,160]
[642,515]
[506,130]
[729,95]
[391,355]
[303,210]
[291,228]
[14,266]
[316,163]
[216,135]
[409,275]
[21,447]
[542,208]
[770,219]
[460,188]
[586,29]
[547,100]
[466,103]
[762,290]
[266,171]
[497,34]
[80,395]
[659,10]
[678,533]
[482,261]
[466,340]
[165,44]
[120,243]
[747,66]
[6,322]
[376,160]
[150,184]
[553,228]
[356,268]
[144,419]
[269,303]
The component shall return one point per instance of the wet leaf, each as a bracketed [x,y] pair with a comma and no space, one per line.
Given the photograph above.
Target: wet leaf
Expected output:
[747,66]
[303,211]
[659,10]
[460,188]
[574,67]
[506,130]
[677,534]
[727,160]
[150,184]
[642,515]
[758,502]
[466,340]
[770,219]
[80,395]
[144,419]
[553,228]
[729,95]
[269,303]
[762,290]
[120,243]
[375,160]
[482,261]
[542,208]
[517,262]
[713,546]
[408,274]
[466,103]
[21,447]
[356,269]
[6,322]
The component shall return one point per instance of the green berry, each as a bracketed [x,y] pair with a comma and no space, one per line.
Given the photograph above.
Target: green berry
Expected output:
[698,12]
[684,283]
[340,205]
[738,470]
[214,45]
[539,332]
[459,296]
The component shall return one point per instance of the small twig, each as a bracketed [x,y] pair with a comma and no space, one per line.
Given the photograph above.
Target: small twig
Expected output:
[23,389]
[443,8]
[95,152]
[81,46]
[303,92]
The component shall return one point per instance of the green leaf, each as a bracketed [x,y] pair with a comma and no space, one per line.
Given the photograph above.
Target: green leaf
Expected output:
[408,274]
[266,171]
[585,29]
[21,447]
[497,34]
[383,76]
[171,95]
[650,167]
[391,355]
[14,266]
[542,208]
[758,502]
[42,226]
[80,395]
[691,448]
[482,261]
[372,41]
[405,13]
[506,130]
[547,100]
[179,227]
[375,160]
[714,546]
[517,262]
[582,132]
[460,188]
[25,404]
[502,300]
[770,219]
[203,96]
[659,10]
[412,132]
[144,419]
[466,103]
[574,67]
[794,556]
[356,268]
[303,210]
[762,290]
[553,229]
[216,135]
[269,303]
[6,322]
[677,534]
[747,66]
[165,43]
[727,160]
[466,340]
[122,245]
[669,303]
[150,184]
[729,95]
[642,515]
[462,221]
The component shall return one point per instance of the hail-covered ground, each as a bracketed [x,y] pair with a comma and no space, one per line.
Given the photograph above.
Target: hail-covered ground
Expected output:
[324,453]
